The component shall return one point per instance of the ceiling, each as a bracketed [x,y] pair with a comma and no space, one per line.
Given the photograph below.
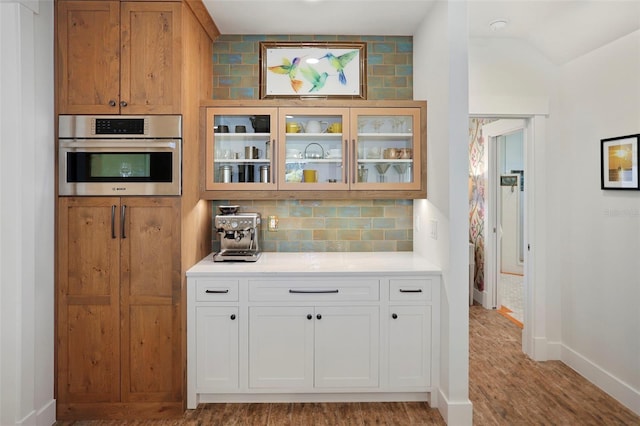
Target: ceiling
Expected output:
[561,29]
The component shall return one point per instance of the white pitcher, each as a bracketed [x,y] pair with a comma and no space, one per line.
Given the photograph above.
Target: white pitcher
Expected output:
[314,126]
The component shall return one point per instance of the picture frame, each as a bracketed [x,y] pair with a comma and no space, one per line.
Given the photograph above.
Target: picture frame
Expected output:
[313,69]
[619,162]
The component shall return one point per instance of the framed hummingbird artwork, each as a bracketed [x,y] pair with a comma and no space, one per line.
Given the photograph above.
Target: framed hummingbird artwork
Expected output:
[313,69]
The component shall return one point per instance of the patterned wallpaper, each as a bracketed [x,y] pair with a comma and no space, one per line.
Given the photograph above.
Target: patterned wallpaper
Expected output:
[477,182]
[327,225]
[236,66]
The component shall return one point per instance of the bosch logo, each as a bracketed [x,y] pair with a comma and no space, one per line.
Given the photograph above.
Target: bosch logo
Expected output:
[119,189]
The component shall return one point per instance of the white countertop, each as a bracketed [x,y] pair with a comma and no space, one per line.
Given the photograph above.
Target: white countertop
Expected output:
[319,263]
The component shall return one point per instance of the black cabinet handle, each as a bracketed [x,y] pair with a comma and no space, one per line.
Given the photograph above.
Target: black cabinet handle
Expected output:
[411,291]
[113,222]
[112,103]
[123,103]
[233,316]
[309,316]
[319,316]
[217,291]
[313,291]
[394,316]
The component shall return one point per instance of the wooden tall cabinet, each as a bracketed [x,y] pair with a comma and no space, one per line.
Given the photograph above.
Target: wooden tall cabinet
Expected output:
[119,57]
[118,300]
[121,261]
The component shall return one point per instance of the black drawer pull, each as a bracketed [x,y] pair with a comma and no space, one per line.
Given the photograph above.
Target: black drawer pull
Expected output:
[233,317]
[217,291]
[313,291]
[411,291]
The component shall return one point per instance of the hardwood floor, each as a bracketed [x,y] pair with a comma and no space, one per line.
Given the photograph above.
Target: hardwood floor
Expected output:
[506,388]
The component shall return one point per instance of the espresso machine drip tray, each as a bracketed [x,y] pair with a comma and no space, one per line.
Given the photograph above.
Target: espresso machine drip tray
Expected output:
[236,255]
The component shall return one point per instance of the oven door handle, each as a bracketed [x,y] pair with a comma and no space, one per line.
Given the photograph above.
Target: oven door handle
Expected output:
[118,144]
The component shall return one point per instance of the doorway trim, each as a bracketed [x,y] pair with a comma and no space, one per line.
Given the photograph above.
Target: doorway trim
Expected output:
[534,341]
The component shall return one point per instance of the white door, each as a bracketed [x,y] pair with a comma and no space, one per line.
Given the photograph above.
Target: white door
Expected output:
[347,347]
[281,348]
[217,349]
[493,133]
[409,346]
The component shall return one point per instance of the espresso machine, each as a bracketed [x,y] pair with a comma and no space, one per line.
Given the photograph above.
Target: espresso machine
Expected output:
[239,235]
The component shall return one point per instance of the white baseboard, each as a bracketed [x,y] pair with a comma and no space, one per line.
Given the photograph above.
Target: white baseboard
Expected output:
[610,384]
[455,414]
[478,296]
[44,416]
[554,351]
[47,414]
[544,350]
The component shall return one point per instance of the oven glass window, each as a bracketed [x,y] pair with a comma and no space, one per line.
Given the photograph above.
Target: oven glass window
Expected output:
[119,167]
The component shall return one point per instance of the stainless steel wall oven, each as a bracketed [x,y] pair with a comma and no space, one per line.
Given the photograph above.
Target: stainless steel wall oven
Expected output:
[119,155]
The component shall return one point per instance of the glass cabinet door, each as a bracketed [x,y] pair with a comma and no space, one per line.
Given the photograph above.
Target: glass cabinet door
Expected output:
[387,148]
[240,148]
[313,150]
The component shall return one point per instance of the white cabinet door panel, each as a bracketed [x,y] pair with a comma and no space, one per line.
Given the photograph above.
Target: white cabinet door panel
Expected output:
[217,348]
[347,342]
[409,346]
[281,347]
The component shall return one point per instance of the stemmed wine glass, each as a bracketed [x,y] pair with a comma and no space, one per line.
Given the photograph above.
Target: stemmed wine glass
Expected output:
[382,169]
[401,169]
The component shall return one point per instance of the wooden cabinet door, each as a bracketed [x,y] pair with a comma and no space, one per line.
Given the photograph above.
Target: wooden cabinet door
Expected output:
[281,348]
[151,57]
[88,62]
[150,283]
[346,347]
[409,346]
[88,300]
[217,349]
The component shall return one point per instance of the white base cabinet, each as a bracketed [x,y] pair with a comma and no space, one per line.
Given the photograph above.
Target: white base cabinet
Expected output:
[308,348]
[312,337]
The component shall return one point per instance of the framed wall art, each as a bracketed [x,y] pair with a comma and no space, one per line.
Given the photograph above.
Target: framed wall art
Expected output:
[313,69]
[619,159]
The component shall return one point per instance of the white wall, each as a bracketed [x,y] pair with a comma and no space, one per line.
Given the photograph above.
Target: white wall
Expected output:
[600,95]
[440,77]
[26,213]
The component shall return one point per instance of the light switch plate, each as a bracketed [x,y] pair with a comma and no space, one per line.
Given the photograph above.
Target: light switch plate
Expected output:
[434,229]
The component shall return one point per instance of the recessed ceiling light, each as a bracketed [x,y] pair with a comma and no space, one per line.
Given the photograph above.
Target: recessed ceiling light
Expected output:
[498,24]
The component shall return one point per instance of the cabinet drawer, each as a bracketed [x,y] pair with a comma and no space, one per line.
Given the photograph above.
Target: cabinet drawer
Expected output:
[214,290]
[418,289]
[305,289]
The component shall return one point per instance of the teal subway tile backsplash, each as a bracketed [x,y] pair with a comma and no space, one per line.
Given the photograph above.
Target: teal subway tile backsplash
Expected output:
[331,225]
